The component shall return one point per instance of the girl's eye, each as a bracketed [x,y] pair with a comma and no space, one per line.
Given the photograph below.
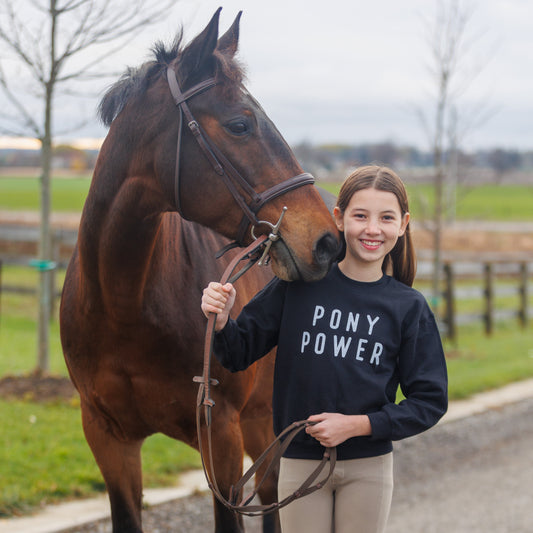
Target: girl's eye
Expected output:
[237,127]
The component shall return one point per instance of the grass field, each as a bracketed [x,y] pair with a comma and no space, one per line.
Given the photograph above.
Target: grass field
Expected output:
[486,202]
[22,193]
[45,457]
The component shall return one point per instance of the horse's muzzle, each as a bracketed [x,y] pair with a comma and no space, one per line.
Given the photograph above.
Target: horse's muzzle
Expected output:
[326,251]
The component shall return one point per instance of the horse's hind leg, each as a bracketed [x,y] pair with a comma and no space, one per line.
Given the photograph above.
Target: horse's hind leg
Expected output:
[120,464]
[258,434]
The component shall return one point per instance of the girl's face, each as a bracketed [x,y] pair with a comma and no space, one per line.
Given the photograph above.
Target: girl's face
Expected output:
[371,223]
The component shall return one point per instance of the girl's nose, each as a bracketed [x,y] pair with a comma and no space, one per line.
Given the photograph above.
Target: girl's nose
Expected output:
[372,227]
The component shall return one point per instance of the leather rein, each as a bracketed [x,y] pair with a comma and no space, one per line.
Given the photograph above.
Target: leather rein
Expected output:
[237,502]
[257,251]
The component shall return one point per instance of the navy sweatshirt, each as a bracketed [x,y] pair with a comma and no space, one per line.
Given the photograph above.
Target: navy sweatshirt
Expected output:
[344,346]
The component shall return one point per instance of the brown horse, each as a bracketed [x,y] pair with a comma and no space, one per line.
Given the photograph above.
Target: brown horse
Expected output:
[131,326]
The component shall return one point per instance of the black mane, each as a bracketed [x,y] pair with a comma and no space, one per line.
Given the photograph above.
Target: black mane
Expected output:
[135,81]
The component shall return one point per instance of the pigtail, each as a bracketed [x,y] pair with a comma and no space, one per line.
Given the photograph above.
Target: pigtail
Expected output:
[401,261]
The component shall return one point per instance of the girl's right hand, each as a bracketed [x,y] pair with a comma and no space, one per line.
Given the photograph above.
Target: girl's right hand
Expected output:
[219,299]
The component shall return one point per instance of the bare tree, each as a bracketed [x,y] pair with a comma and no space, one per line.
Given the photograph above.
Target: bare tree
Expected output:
[51,44]
[451,42]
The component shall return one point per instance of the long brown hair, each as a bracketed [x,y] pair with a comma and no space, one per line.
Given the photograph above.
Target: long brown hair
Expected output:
[401,261]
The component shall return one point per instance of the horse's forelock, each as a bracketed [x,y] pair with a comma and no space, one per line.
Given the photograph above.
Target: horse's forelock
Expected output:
[164,55]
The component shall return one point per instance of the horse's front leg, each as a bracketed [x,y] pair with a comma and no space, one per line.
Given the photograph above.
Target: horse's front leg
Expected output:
[120,464]
[227,453]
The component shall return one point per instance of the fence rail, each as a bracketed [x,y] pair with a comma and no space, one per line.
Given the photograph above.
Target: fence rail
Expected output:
[19,246]
[486,282]
[482,279]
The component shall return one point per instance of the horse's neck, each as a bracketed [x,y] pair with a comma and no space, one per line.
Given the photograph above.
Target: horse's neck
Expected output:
[117,240]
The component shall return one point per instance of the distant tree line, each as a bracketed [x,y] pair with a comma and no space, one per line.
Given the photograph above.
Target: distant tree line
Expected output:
[323,159]
[63,156]
[331,158]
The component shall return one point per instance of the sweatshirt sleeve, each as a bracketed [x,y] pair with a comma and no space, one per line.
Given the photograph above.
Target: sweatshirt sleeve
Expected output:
[255,331]
[423,381]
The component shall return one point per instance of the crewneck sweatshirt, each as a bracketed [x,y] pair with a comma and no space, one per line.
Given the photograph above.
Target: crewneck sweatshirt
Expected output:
[344,346]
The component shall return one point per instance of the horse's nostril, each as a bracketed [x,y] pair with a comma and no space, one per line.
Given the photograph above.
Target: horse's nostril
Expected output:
[327,249]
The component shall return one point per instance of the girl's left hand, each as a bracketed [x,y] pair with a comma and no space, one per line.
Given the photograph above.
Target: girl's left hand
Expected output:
[332,429]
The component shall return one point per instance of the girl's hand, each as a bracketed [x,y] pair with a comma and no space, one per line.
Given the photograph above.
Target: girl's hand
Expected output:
[218,299]
[332,429]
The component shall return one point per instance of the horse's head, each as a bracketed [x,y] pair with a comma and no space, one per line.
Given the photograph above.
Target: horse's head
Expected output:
[219,160]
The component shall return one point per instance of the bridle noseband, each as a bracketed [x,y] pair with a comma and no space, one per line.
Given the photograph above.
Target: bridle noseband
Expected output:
[221,165]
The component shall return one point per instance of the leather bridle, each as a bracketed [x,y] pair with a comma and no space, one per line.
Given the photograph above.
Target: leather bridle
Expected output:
[221,165]
[258,250]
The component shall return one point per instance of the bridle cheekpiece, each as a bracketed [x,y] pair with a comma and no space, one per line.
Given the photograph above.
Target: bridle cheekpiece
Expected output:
[223,167]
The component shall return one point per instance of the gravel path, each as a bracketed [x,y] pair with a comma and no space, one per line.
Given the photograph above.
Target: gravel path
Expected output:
[468,476]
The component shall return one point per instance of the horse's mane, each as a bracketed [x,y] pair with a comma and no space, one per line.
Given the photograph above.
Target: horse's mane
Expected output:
[135,81]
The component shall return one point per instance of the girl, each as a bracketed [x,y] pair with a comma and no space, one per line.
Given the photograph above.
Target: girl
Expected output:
[345,344]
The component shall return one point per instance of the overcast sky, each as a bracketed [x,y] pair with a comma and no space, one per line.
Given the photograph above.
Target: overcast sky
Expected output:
[350,71]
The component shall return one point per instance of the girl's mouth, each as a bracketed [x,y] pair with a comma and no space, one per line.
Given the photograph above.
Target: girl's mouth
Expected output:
[371,245]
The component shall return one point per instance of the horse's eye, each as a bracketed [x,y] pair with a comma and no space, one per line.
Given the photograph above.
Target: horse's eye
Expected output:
[237,127]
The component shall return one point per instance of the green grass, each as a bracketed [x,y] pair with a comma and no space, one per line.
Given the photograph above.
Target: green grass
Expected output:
[18,326]
[481,363]
[485,202]
[46,459]
[68,194]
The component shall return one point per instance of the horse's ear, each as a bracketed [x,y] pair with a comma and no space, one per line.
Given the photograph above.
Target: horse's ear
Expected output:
[229,42]
[197,58]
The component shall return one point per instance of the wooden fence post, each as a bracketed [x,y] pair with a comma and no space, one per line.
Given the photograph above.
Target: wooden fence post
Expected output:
[489,298]
[449,299]
[523,312]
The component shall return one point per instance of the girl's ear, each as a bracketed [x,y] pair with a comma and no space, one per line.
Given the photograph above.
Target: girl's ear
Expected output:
[405,221]
[339,219]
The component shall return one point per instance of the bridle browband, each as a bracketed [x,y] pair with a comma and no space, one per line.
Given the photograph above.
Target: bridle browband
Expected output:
[221,165]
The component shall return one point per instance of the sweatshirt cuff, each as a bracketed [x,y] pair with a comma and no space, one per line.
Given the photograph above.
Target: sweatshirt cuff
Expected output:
[381,425]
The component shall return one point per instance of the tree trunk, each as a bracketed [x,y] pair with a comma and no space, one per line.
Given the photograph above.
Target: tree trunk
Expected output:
[45,264]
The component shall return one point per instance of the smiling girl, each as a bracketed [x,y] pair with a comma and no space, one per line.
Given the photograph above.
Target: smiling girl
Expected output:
[344,346]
